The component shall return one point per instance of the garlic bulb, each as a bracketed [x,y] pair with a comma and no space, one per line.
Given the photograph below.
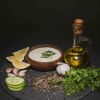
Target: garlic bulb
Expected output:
[62,68]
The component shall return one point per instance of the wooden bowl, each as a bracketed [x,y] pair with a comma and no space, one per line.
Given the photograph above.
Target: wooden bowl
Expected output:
[44,66]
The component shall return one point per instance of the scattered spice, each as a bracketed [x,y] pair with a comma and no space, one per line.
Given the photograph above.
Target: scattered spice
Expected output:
[43,82]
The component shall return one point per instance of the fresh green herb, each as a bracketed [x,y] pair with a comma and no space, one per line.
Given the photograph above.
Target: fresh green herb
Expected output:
[47,54]
[78,80]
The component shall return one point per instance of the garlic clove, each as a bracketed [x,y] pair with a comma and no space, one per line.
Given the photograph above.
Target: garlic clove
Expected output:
[22,73]
[10,74]
[15,71]
[8,70]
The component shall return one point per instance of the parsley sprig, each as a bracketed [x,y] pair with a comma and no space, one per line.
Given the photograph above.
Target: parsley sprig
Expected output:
[47,54]
[78,80]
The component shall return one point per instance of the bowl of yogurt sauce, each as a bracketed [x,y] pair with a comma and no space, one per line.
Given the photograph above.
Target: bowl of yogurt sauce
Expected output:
[44,57]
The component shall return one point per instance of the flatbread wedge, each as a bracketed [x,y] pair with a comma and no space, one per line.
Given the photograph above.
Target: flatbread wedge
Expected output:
[19,55]
[20,65]
[16,63]
[17,59]
[10,58]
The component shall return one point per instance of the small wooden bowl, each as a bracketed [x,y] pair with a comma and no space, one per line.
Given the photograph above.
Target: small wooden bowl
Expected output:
[44,66]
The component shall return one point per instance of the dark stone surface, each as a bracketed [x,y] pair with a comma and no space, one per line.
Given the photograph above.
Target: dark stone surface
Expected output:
[29,93]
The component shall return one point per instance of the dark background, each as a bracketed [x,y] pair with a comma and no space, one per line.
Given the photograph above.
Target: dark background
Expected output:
[46,21]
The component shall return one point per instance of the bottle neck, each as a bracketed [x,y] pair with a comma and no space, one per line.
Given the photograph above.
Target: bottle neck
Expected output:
[76,40]
[77,30]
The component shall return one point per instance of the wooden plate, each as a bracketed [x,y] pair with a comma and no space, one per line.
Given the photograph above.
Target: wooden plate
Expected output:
[44,66]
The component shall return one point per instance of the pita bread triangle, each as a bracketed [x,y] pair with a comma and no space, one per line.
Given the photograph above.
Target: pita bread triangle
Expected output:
[21,54]
[10,58]
[20,65]
[17,59]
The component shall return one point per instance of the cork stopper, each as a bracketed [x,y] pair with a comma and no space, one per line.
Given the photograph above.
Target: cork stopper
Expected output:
[78,21]
[78,26]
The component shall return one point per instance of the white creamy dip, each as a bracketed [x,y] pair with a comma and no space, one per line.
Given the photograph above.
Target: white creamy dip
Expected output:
[37,53]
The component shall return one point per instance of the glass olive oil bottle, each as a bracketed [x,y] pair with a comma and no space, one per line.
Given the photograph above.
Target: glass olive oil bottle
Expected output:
[77,56]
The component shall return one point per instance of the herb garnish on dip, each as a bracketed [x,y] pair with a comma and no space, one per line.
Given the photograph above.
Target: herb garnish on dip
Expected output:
[47,54]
